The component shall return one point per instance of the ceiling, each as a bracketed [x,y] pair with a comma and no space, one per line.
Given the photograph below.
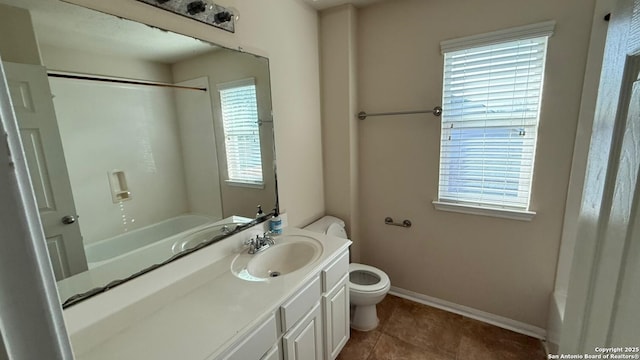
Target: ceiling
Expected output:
[69,26]
[325,4]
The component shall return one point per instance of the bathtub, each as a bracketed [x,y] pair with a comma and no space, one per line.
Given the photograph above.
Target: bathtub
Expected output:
[129,253]
[103,251]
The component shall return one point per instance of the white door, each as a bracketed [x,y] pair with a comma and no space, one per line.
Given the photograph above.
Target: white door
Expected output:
[603,305]
[304,341]
[31,97]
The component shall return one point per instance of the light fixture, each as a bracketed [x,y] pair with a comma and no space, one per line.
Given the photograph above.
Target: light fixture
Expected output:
[196,7]
[205,11]
[236,14]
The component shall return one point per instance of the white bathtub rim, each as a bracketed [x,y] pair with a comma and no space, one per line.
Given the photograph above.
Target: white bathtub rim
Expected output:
[85,281]
[146,227]
[93,264]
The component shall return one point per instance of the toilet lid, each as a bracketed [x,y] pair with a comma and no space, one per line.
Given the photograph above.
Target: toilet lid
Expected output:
[337,230]
[369,273]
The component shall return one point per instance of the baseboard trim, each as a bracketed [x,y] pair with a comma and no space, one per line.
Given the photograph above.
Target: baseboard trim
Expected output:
[472,313]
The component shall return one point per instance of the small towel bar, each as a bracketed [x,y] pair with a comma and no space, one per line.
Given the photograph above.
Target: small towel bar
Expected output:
[437,111]
[405,223]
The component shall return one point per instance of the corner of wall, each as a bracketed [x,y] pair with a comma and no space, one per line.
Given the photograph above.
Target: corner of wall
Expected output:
[339,124]
[21,46]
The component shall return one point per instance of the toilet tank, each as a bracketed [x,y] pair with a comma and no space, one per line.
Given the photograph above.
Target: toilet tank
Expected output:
[329,225]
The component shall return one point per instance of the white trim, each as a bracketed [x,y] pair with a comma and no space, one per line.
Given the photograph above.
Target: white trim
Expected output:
[521,32]
[236,83]
[237,183]
[521,215]
[499,321]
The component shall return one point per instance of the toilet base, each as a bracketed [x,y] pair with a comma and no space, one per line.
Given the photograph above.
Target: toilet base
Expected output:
[364,317]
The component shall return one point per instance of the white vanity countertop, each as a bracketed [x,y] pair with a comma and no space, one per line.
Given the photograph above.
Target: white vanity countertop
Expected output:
[202,323]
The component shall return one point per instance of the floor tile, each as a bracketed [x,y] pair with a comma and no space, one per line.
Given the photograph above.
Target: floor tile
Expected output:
[390,348]
[386,307]
[360,345]
[482,338]
[411,331]
[426,327]
[472,348]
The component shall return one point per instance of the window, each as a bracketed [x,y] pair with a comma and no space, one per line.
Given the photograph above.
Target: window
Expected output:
[491,107]
[239,108]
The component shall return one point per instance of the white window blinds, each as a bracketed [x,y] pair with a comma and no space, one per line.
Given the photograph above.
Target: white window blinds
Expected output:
[491,105]
[239,109]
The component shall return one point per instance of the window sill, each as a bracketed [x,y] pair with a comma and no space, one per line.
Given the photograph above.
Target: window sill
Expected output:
[521,215]
[245,184]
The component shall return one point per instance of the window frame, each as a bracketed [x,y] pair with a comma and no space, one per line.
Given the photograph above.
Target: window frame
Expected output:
[240,182]
[474,207]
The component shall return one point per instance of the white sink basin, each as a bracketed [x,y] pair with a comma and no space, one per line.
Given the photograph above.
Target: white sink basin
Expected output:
[290,253]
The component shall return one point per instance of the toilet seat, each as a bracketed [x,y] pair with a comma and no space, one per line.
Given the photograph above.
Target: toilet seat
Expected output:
[383,284]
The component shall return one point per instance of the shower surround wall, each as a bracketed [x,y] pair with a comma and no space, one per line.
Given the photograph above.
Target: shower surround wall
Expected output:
[158,115]
[131,128]
[503,268]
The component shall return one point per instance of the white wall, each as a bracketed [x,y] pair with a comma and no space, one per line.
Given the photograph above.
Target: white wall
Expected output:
[503,267]
[83,62]
[198,145]
[292,49]
[17,39]
[107,126]
[339,125]
[223,66]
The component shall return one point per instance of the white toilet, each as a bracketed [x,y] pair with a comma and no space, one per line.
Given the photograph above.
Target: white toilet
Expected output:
[367,285]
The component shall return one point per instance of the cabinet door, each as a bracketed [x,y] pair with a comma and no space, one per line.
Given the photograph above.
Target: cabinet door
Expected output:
[336,318]
[259,342]
[273,354]
[304,341]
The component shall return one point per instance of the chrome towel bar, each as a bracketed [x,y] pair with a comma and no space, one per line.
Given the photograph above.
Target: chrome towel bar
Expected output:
[405,223]
[437,111]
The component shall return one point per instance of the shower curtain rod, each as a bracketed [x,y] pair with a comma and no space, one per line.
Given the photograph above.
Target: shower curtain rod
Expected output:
[121,81]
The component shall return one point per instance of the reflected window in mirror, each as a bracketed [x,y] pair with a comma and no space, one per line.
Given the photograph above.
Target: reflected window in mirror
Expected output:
[239,107]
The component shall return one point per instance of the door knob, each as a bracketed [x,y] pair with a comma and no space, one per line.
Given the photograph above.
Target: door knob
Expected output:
[69,219]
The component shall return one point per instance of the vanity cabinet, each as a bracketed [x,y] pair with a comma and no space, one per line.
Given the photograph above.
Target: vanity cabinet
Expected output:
[302,323]
[336,318]
[273,354]
[257,343]
[335,305]
[304,341]
[313,324]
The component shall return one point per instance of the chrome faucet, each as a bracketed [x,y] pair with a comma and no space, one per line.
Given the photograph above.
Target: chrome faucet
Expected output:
[260,243]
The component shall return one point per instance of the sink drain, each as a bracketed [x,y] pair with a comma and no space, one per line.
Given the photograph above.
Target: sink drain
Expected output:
[275,274]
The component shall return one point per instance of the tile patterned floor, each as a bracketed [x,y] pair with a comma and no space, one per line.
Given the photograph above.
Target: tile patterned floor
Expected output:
[412,331]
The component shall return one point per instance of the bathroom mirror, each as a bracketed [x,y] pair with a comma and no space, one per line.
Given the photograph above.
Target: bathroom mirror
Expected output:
[142,144]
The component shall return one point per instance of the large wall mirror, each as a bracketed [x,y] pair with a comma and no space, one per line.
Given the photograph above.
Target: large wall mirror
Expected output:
[141,144]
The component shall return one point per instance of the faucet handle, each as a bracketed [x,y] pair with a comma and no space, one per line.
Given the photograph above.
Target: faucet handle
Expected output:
[268,237]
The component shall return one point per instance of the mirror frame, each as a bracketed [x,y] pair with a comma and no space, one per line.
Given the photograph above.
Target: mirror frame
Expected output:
[101,289]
